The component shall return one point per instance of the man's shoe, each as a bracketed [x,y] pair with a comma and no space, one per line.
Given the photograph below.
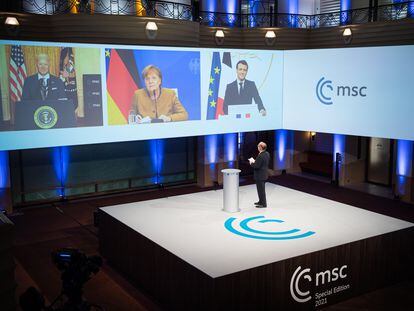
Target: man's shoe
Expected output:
[257,203]
[261,206]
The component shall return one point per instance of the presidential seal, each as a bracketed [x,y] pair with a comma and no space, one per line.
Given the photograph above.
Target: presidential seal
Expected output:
[45,117]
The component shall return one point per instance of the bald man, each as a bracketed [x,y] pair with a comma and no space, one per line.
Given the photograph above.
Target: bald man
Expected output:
[43,85]
[260,173]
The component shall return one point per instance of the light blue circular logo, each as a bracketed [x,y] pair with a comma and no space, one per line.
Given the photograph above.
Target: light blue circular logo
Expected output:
[246,228]
[321,94]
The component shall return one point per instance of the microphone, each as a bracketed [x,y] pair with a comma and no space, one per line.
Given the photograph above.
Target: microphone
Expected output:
[156,120]
[155,101]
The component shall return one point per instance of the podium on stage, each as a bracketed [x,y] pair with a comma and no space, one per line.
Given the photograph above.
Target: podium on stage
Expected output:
[231,190]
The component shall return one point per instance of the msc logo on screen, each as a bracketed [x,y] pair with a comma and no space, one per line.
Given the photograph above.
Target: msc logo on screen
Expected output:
[326,91]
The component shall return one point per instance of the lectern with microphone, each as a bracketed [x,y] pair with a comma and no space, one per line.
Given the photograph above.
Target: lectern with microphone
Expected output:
[231,190]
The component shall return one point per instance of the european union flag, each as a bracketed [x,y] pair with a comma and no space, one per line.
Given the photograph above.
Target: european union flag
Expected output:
[213,87]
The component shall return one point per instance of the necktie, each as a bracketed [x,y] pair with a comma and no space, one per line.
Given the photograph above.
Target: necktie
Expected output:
[43,88]
[241,87]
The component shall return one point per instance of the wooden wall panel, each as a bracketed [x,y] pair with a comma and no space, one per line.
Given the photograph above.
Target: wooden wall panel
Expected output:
[102,29]
[131,30]
[370,34]
[286,38]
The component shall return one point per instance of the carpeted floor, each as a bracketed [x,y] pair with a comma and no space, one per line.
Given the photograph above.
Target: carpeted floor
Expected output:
[42,230]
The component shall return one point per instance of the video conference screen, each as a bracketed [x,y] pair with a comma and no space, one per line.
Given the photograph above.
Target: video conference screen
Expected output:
[55,94]
[59,94]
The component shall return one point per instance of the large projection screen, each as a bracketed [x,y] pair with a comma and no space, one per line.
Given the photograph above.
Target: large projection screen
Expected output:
[59,94]
[353,91]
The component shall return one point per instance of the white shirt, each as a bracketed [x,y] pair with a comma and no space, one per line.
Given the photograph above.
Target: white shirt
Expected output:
[46,77]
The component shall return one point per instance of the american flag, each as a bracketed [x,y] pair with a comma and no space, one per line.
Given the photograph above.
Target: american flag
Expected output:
[18,72]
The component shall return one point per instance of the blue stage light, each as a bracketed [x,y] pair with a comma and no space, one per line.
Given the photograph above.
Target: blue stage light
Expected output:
[293,9]
[404,156]
[230,9]
[211,7]
[4,175]
[157,159]
[404,167]
[230,147]
[339,145]
[345,6]
[211,148]
[281,138]
[61,165]
[252,11]
[410,10]
[4,169]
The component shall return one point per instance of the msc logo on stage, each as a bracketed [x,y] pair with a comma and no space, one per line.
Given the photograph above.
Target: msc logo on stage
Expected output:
[326,91]
[251,228]
[323,278]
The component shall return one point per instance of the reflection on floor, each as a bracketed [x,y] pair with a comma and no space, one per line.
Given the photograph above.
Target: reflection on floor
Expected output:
[377,190]
[41,230]
[310,176]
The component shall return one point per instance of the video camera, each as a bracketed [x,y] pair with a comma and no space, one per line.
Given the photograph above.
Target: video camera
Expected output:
[76,269]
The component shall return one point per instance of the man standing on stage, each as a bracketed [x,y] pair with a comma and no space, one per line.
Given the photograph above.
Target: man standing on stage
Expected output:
[260,174]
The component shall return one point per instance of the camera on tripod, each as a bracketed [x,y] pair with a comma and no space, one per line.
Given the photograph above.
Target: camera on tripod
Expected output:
[76,269]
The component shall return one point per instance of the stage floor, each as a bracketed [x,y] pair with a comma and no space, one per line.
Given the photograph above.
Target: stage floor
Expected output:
[194,228]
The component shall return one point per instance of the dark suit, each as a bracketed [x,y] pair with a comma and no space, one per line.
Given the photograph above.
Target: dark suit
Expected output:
[54,90]
[249,92]
[260,174]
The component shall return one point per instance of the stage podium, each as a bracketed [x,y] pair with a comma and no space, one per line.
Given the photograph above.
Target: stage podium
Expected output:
[231,190]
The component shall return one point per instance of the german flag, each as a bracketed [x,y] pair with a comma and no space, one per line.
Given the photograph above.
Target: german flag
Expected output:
[122,80]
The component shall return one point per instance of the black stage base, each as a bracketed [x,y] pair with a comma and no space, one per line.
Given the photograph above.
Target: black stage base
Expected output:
[306,282]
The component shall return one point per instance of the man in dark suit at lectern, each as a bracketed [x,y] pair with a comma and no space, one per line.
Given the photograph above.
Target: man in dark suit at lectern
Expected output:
[242,91]
[43,85]
[260,173]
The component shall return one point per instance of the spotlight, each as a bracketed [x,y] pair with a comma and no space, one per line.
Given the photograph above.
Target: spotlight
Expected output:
[312,135]
[151,30]
[12,21]
[270,37]
[12,25]
[347,35]
[270,34]
[219,34]
[219,37]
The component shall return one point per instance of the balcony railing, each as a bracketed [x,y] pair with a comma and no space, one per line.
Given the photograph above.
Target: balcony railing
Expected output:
[151,8]
[357,16]
[173,10]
